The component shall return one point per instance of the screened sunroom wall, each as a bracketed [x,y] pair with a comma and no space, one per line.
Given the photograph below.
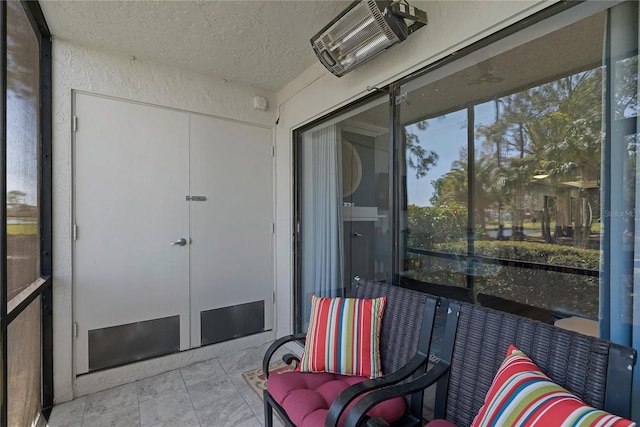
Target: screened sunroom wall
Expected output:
[452,26]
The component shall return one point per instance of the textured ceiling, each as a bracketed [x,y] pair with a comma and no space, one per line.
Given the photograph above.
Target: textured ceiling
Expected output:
[264,44]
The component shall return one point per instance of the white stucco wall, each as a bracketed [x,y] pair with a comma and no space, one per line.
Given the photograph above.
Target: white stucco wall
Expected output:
[79,68]
[452,26]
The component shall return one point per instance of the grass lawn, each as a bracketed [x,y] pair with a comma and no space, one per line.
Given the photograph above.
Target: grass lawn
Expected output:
[21,229]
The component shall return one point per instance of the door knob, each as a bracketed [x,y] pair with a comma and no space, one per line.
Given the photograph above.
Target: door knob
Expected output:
[355,234]
[180,242]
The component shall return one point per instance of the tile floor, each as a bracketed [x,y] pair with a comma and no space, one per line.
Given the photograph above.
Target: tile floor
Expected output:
[210,393]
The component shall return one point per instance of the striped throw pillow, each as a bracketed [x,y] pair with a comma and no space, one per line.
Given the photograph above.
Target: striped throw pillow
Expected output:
[343,336]
[522,395]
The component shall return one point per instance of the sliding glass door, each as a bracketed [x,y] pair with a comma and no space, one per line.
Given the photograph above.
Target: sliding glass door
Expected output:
[343,203]
[502,164]
[434,198]
[492,188]
[505,176]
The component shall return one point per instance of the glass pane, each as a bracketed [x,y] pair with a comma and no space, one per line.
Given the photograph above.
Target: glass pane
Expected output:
[435,168]
[538,169]
[537,183]
[344,204]
[625,83]
[561,293]
[24,366]
[23,241]
[532,117]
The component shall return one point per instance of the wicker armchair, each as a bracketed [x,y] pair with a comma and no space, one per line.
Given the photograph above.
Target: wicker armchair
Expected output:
[405,338]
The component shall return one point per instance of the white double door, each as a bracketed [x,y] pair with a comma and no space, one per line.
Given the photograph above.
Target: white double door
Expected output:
[142,251]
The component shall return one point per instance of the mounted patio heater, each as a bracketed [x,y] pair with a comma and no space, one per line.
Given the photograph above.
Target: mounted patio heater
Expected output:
[362,31]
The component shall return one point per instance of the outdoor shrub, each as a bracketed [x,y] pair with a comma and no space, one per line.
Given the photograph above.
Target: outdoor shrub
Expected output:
[564,292]
[429,225]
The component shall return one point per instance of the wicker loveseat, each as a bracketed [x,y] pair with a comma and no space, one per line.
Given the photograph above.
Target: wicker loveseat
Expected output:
[597,371]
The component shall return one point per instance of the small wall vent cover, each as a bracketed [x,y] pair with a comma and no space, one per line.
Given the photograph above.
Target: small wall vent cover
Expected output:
[227,323]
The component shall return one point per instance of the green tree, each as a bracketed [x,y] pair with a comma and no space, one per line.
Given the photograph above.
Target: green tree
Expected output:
[15,198]
[554,130]
[417,156]
[452,188]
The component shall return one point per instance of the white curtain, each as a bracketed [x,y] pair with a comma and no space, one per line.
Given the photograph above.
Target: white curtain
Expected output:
[321,214]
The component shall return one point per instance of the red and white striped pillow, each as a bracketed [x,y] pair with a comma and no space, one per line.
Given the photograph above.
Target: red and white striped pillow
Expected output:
[522,395]
[344,336]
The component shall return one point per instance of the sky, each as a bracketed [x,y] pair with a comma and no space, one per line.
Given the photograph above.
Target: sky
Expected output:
[446,135]
[22,146]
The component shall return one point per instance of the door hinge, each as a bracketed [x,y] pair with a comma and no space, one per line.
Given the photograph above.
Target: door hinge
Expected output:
[75,123]
[273,228]
[273,151]
[75,232]
[75,329]
[274,297]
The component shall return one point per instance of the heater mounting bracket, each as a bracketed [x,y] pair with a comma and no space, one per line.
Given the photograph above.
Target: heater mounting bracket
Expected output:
[404,10]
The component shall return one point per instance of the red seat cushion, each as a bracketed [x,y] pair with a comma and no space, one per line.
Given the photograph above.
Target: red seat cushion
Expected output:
[440,423]
[306,397]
